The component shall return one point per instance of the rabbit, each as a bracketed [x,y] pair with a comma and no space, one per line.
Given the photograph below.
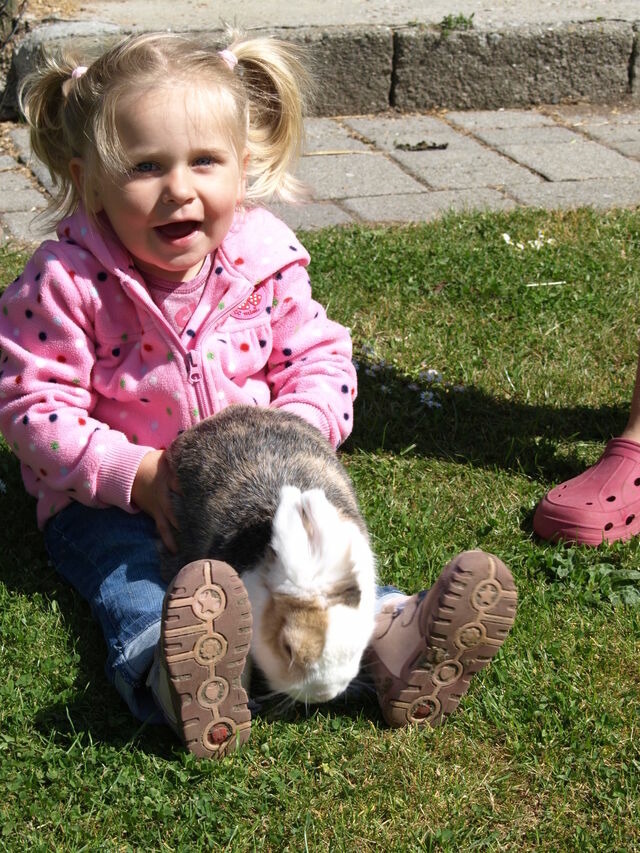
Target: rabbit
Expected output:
[264,491]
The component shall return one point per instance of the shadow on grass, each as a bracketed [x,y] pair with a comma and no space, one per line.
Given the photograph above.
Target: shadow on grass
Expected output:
[392,415]
[397,415]
[89,707]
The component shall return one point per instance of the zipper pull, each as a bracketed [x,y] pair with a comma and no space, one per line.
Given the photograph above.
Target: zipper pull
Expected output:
[193,367]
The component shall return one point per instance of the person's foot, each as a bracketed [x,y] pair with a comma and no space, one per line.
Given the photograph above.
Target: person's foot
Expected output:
[206,633]
[601,504]
[425,649]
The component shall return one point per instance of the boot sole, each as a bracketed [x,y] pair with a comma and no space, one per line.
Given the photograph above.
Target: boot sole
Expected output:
[464,624]
[206,634]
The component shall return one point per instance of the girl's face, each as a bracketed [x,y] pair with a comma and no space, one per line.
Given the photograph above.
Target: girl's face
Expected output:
[177,203]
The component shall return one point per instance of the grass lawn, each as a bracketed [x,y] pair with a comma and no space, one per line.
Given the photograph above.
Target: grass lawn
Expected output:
[490,368]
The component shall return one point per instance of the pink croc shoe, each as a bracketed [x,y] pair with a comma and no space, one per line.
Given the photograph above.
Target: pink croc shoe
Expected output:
[601,504]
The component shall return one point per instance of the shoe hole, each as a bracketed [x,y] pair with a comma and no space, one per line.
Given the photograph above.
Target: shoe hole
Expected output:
[636,482]
[608,525]
[611,498]
[630,519]
[589,503]
[219,734]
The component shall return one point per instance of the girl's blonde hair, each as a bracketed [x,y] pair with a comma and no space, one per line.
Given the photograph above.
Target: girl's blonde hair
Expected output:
[262,100]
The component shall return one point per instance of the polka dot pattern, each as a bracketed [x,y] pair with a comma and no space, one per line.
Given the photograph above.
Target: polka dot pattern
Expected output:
[264,339]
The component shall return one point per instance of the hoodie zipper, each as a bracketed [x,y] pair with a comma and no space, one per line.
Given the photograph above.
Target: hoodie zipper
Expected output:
[194,375]
[194,365]
[192,361]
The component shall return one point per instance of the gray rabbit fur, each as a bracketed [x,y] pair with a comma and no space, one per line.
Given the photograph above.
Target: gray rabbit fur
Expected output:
[263,491]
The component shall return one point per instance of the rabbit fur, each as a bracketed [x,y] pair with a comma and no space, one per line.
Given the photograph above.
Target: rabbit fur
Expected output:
[263,491]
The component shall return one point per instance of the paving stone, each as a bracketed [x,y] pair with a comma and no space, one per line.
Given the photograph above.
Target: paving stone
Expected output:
[601,194]
[614,138]
[17,193]
[20,138]
[595,116]
[425,206]
[617,130]
[363,168]
[389,133]
[323,134]
[350,175]
[543,135]
[23,226]
[457,168]
[578,160]
[499,119]
[461,162]
[311,215]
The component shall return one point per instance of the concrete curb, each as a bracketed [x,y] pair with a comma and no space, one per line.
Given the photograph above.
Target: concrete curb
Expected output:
[371,69]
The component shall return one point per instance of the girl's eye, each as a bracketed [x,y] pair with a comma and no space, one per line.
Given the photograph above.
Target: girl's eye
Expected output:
[144,167]
[204,161]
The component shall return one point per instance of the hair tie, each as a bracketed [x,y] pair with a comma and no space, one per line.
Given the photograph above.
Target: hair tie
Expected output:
[77,72]
[229,58]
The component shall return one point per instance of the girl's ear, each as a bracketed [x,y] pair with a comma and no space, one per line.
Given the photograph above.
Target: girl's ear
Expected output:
[78,172]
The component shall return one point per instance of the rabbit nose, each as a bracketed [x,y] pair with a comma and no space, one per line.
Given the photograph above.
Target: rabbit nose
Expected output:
[302,645]
[287,648]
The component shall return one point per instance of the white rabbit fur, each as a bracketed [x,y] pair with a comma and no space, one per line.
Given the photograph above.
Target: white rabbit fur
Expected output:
[317,588]
[263,491]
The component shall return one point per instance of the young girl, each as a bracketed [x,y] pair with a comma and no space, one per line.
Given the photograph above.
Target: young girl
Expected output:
[168,296]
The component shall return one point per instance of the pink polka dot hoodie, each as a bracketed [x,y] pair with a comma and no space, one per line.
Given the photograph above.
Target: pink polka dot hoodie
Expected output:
[92,375]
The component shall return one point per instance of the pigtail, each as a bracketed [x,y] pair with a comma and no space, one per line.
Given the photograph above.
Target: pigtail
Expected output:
[43,100]
[74,114]
[278,88]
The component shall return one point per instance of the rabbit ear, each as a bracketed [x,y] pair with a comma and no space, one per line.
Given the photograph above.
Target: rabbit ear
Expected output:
[317,552]
[312,510]
[302,523]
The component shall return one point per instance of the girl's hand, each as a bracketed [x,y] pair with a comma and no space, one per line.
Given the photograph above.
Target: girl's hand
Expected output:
[151,492]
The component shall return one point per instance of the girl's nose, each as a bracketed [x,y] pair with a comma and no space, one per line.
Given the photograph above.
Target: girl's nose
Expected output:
[178,188]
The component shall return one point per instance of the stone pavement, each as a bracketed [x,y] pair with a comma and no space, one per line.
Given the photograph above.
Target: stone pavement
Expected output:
[412,168]
[423,106]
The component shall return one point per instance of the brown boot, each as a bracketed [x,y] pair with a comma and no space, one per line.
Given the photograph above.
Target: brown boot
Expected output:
[206,632]
[424,650]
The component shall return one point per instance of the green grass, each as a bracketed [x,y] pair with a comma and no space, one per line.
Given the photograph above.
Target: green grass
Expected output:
[455,23]
[477,392]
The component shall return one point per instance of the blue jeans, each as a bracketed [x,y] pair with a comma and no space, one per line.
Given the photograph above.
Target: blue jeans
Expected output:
[112,559]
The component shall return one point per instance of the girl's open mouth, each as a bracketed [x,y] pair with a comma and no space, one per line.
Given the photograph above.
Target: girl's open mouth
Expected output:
[177,231]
